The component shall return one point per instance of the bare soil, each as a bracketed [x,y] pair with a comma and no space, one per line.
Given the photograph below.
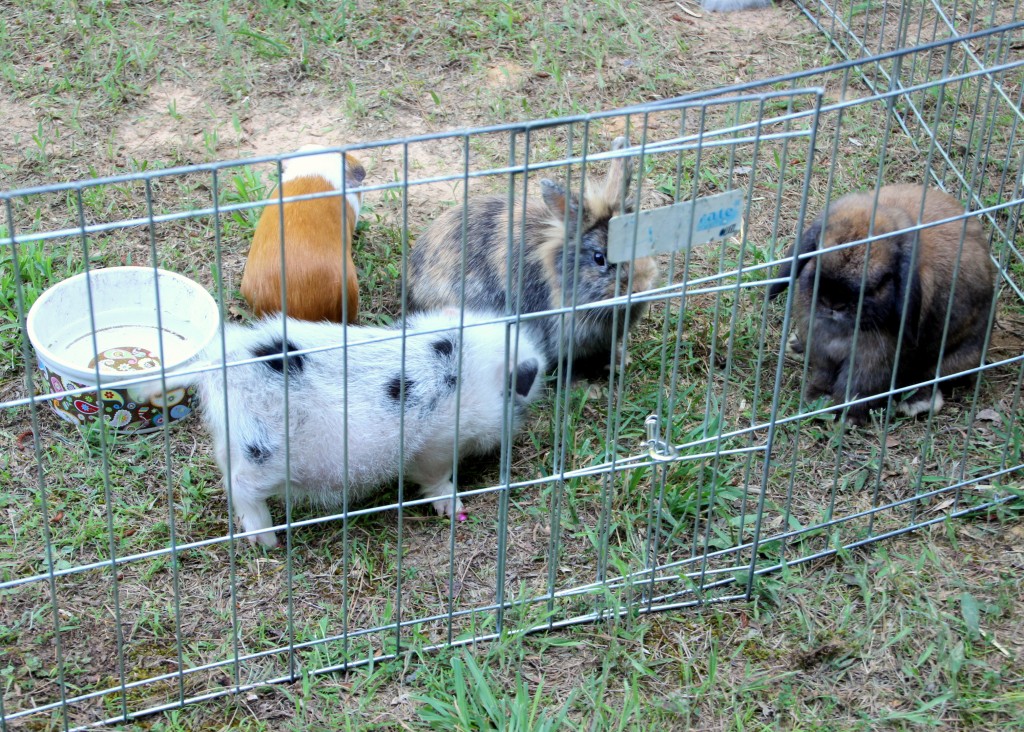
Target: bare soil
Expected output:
[408,84]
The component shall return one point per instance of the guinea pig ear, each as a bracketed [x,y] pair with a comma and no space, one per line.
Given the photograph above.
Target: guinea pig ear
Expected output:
[619,175]
[808,243]
[559,202]
[354,172]
[908,288]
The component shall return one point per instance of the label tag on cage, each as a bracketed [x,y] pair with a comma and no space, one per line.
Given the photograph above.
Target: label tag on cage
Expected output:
[676,227]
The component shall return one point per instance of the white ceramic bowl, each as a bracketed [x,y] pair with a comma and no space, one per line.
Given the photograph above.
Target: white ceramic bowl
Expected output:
[123,318]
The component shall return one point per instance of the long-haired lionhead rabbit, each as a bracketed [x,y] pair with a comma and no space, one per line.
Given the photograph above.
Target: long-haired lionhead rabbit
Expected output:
[548,270]
[897,288]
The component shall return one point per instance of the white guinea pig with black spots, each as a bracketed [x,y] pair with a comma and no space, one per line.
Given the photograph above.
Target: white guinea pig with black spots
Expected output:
[463,259]
[362,391]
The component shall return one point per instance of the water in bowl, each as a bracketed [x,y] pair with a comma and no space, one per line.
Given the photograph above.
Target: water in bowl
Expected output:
[124,350]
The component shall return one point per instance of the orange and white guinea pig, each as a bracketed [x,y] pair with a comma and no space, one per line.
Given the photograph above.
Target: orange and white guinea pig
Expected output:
[319,271]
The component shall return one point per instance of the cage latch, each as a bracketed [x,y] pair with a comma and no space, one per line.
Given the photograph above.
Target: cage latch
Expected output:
[658,449]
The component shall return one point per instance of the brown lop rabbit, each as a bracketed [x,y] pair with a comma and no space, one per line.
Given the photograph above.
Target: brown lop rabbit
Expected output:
[319,270]
[545,265]
[892,278]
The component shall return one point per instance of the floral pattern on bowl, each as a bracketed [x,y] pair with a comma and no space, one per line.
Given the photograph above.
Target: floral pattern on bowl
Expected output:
[123,409]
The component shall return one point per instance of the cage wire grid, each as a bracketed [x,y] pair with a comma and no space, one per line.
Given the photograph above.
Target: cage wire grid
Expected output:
[677,479]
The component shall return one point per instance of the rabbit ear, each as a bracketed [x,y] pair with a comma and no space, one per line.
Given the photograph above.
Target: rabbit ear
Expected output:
[909,280]
[524,377]
[619,175]
[808,243]
[561,204]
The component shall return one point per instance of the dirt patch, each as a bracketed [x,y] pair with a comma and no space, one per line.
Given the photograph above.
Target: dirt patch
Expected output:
[174,117]
[21,122]
[413,75]
[171,117]
[418,163]
[736,47]
[506,76]
[273,129]
[178,118]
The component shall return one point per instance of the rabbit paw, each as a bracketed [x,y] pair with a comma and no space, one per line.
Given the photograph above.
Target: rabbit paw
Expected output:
[623,362]
[920,403]
[794,345]
[596,391]
[253,514]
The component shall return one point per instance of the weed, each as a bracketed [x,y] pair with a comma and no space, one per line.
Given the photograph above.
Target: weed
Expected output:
[919,631]
[37,268]
[470,698]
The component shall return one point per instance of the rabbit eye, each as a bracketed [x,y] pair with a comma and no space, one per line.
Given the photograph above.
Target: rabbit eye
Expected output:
[599,259]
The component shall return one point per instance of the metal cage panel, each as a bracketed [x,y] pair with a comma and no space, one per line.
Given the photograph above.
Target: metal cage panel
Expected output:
[690,469]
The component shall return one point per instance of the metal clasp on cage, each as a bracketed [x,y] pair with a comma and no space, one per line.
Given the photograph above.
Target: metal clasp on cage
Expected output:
[658,449]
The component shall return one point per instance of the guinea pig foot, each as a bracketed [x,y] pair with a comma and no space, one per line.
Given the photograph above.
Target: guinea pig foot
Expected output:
[855,419]
[444,508]
[920,403]
[459,513]
[267,538]
[252,515]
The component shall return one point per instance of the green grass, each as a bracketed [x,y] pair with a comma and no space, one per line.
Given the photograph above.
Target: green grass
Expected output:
[38,267]
[916,632]
[480,701]
[856,644]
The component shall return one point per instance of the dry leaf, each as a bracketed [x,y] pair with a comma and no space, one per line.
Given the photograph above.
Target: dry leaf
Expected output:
[988,415]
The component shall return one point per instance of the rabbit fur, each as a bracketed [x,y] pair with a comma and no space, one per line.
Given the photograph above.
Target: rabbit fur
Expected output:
[544,261]
[892,278]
